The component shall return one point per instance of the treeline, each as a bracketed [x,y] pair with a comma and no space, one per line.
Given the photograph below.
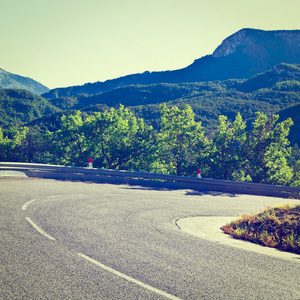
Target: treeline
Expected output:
[116,139]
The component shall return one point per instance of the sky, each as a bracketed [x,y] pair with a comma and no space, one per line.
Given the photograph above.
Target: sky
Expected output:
[63,43]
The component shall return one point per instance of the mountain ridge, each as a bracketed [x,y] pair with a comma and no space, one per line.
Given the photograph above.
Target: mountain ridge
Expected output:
[241,55]
[208,99]
[14,81]
[231,43]
[282,74]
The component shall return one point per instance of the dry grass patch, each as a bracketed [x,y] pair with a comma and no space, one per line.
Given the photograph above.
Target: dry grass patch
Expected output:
[277,227]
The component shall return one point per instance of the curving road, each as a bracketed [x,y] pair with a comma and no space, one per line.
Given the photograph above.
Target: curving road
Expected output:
[76,240]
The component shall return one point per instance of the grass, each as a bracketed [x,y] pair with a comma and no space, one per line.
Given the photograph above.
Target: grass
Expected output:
[277,227]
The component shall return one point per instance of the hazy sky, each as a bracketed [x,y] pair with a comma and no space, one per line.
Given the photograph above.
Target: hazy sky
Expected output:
[72,42]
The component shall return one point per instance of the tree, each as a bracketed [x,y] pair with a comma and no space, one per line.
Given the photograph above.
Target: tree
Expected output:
[35,146]
[225,159]
[266,150]
[118,140]
[67,145]
[180,142]
[294,163]
[10,144]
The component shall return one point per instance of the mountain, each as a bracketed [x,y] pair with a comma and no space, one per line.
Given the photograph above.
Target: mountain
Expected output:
[281,77]
[13,81]
[21,106]
[134,95]
[241,55]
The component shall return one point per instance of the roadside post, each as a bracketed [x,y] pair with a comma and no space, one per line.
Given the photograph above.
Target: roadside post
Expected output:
[90,163]
[198,173]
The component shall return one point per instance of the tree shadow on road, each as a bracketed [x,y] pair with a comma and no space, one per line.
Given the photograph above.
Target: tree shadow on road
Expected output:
[188,191]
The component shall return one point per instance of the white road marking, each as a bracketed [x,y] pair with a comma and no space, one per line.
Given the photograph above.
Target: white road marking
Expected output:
[144,285]
[24,207]
[39,229]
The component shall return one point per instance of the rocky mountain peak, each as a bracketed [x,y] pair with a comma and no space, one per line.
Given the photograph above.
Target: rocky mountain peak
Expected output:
[230,44]
[255,40]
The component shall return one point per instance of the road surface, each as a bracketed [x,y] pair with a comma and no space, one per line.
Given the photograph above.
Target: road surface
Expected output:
[77,240]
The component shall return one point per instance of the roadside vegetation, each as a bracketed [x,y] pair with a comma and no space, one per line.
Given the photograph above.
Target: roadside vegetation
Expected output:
[277,227]
[258,152]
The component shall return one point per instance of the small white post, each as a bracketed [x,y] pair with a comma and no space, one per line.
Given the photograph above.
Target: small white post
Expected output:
[90,163]
[198,173]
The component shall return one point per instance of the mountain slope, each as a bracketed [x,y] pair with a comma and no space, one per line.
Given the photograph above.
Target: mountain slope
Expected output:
[13,81]
[134,95]
[208,100]
[21,106]
[282,76]
[241,56]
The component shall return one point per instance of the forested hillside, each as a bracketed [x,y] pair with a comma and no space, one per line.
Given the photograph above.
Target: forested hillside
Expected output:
[277,90]
[283,77]
[20,107]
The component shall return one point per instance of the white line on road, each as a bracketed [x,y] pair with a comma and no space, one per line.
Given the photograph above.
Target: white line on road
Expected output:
[144,285]
[24,207]
[39,229]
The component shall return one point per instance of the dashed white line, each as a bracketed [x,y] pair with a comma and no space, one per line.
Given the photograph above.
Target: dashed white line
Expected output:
[144,285]
[24,207]
[39,229]
[128,278]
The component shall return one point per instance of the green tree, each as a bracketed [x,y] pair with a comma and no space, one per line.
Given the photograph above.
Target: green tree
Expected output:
[67,145]
[11,144]
[294,163]
[35,146]
[180,142]
[118,140]
[225,160]
[266,150]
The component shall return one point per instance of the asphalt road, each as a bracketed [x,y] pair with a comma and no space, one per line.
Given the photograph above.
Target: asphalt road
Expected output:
[76,240]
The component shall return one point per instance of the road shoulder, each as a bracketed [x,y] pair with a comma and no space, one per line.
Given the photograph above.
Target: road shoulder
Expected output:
[209,228]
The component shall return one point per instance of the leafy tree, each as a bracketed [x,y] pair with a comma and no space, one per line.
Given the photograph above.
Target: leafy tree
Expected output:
[294,163]
[266,150]
[118,140]
[180,142]
[10,144]
[68,143]
[225,154]
[35,146]
[115,139]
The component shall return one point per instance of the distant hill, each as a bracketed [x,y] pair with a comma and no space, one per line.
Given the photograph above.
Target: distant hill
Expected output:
[208,100]
[281,77]
[241,56]
[134,95]
[13,81]
[21,106]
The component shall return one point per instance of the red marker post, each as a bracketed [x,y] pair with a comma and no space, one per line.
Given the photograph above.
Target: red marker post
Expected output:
[198,173]
[90,163]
